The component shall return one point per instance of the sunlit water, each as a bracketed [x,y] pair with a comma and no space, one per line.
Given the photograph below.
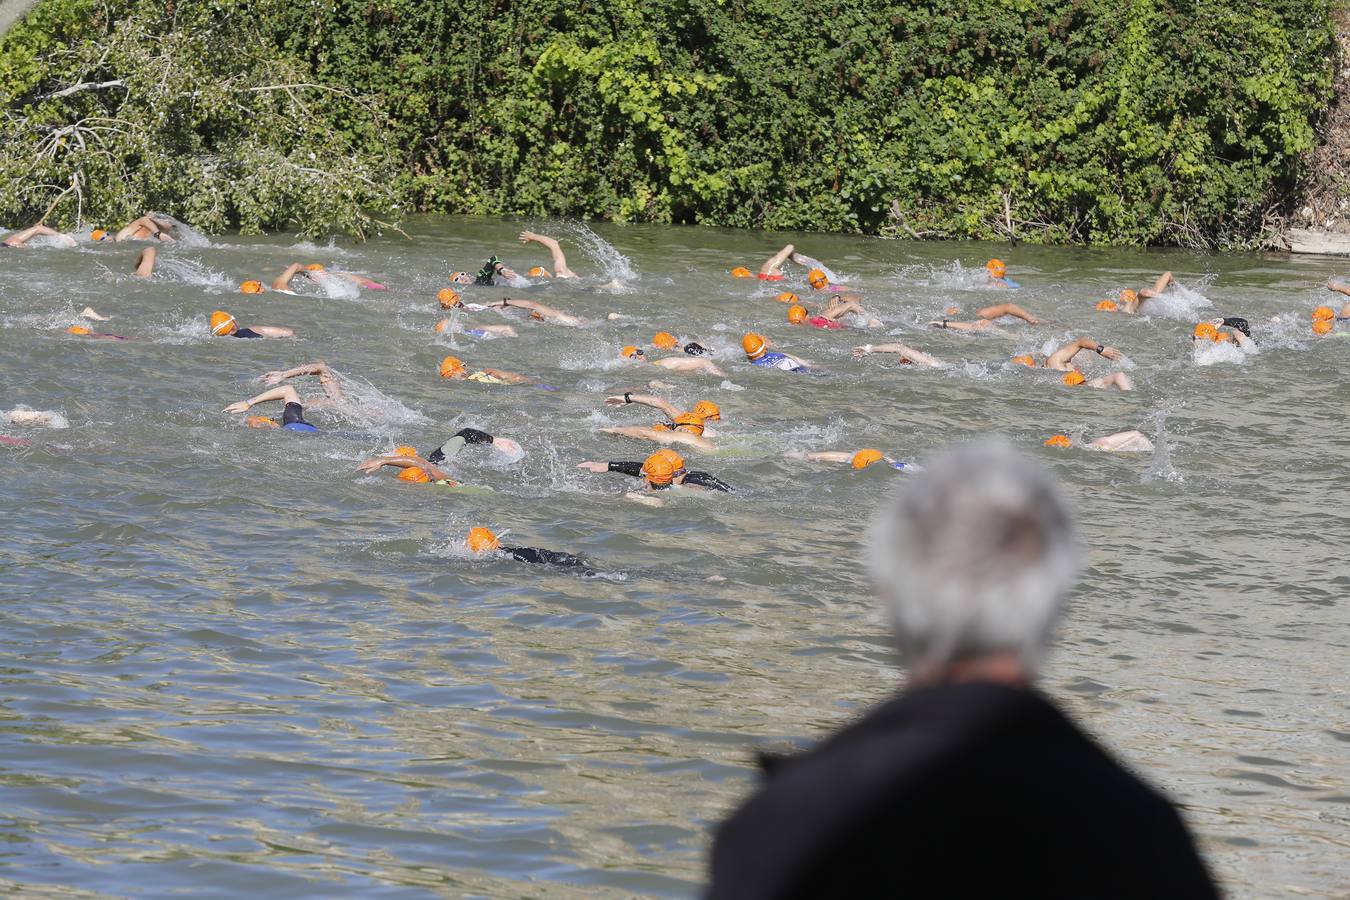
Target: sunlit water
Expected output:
[232,663]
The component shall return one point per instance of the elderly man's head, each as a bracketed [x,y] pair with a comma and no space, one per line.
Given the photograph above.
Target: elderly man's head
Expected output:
[973,557]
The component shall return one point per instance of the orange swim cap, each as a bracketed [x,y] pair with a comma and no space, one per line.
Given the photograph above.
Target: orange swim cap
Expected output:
[787,297]
[664,340]
[97,234]
[754,346]
[1025,359]
[413,473]
[78,329]
[631,352]
[676,460]
[539,272]
[1107,306]
[222,323]
[1321,326]
[1222,336]
[314,267]
[864,458]
[997,268]
[481,539]
[658,470]
[691,422]
[1074,379]
[796,314]
[1128,295]
[1206,330]
[741,272]
[260,422]
[448,298]
[1323,314]
[708,410]
[442,325]
[818,280]
[452,367]
[405,451]
[1058,440]
[251,287]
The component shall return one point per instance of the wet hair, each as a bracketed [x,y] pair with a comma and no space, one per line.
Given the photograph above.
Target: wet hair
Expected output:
[974,555]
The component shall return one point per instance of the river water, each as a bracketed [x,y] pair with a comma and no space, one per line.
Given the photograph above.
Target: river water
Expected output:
[233,663]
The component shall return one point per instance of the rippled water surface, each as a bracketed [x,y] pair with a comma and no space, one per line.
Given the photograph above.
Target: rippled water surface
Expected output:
[232,663]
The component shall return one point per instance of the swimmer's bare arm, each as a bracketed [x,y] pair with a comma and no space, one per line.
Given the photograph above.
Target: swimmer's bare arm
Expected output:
[404,462]
[560,268]
[1338,288]
[283,281]
[831,456]
[1158,286]
[773,265]
[144,228]
[145,263]
[327,378]
[19,238]
[285,393]
[688,364]
[644,400]
[906,354]
[981,325]
[1007,309]
[644,433]
[510,377]
[1059,360]
[1118,380]
[547,312]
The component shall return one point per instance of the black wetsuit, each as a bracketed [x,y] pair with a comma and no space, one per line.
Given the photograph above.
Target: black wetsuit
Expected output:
[490,268]
[550,558]
[1239,323]
[702,479]
[245,333]
[456,443]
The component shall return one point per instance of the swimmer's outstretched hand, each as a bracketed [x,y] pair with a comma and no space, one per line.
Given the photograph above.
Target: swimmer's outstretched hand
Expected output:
[616,401]
[860,352]
[591,465]
[527,236]
[371,465]
[241,406]
[1111,353]
[276,377]
[644,499]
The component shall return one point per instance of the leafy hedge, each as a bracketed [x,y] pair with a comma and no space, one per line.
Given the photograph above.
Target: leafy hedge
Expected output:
[1139,121]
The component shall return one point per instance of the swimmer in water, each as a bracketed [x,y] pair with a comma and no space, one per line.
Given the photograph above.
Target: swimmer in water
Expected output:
[664,340]
[449,298]
[318,274]
[1120,442]
[21,238]
[1239,332]
[705,409]
[984,318]
[224,325]
[908,355]
[1130,300]
[293,413]
[482,540]
[756,348]
[998,276]
[859,459]
[673,363]
[148,228]
[679,474]
[539,311]
[411,467]
[686,428]
[81,331]
[829,317]
[453,367]
[1062,361]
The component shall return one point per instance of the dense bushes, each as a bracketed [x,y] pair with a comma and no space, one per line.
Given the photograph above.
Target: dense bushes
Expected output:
[1151,121]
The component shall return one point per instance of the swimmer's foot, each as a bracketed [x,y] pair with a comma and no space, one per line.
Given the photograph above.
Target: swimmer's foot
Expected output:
[88,313]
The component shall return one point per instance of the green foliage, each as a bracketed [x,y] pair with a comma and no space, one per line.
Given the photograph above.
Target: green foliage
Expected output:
[1148,121]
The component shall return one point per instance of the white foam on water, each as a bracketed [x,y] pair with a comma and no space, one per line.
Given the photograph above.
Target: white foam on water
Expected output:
[1208,353]
[339,288]
[190,272]
[368,406]
[612,265]
[1177,302]
[1160,466]
[309,248]
[186,235]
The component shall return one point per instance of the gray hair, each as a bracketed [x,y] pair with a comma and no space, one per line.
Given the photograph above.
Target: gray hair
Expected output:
[974,555]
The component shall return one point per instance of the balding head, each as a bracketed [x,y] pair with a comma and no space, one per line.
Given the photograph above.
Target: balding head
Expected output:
[973,557]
